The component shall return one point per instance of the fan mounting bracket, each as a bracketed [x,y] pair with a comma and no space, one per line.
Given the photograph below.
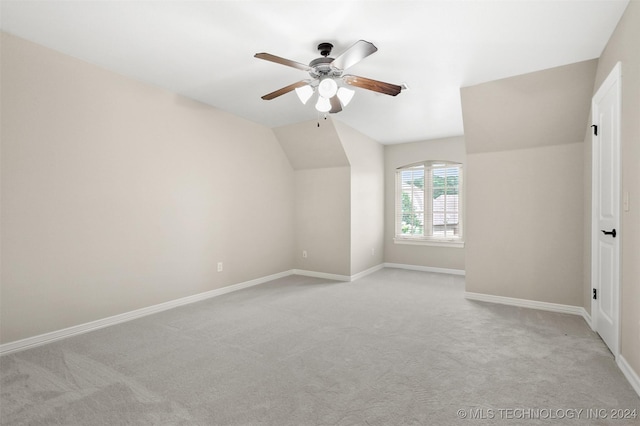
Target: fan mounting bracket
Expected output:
[325,49]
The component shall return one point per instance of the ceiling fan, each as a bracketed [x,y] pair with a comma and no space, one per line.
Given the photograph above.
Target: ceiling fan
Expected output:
[325,72]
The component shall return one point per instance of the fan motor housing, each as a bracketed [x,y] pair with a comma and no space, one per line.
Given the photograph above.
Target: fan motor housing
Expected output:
[321,67]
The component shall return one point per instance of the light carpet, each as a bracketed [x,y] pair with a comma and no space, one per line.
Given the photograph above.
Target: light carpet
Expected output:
[396,347]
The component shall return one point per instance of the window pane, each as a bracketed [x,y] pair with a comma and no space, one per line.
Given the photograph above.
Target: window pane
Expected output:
[419,224]
[428,201]
[452,218]
[412,185]
[445,202]
[413,224]
[418,202]
[451,202]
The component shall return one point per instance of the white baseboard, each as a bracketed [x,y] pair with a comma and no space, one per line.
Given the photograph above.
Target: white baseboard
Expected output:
[587,317]
[323,275]
[532,304]
[366,272]
[624,366]
[42,339]
[425,268]
[53,336]
[629,373]
[524,303]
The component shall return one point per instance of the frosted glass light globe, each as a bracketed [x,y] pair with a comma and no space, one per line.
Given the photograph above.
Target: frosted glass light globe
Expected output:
[328,88]
[304,93]
[345,95]
[323,104]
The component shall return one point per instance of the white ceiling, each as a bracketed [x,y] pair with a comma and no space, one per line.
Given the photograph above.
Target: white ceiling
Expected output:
[204,49]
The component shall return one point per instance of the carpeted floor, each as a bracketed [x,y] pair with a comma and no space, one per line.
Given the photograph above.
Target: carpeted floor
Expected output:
[394,348]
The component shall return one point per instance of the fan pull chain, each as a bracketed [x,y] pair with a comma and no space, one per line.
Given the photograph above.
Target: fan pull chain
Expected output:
[325,117]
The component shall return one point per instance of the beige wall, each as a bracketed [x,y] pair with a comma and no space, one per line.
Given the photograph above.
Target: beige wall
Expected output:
[451,149]
[366,157]
[524,227]
[543,108]
[525,171]
[624,46]
[322,220]
[117,195]
[312,146]
[338,196]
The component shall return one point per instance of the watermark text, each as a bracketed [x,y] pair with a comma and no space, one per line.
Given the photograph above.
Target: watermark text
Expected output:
[548,413]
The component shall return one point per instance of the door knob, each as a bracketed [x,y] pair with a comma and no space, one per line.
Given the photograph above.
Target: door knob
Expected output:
[612,233]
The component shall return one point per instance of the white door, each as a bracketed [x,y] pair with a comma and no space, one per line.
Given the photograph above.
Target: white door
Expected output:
[605,307]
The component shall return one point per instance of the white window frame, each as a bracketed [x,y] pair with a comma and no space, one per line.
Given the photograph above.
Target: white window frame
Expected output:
[425,239]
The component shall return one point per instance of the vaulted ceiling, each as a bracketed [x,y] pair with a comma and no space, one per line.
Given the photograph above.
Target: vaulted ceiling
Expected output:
[204,50]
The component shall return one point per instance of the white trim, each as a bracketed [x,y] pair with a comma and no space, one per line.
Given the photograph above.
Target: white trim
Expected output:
[366,272]
[429,242]
[323,275]
[624,366]
[525,303]
[587,317]
[53,336]
[425,268]
[31,342]
[629,373]
[613,79]
[428,167]
[41,339]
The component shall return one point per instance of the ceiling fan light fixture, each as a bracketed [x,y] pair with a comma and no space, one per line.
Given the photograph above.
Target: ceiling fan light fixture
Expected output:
[328,88]
[325,73]
[323,104]
[345,95]
[304,93]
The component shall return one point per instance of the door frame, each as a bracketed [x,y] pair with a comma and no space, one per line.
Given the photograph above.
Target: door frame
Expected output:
[614,78]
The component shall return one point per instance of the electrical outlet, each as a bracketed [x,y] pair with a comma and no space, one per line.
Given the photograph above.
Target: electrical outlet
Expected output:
[373,251]
[219,266]
[304,254]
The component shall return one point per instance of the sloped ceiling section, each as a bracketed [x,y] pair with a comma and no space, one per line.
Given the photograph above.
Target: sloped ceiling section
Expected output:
[312,145]
[204,49]
[549,107]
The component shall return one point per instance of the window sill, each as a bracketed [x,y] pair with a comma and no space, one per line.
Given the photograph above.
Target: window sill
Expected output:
[433,243]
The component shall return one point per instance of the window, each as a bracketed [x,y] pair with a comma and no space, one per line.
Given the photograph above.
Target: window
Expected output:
[429,203]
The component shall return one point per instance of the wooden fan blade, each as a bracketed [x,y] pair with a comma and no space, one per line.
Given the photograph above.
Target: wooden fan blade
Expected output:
[360,50]
[335,105]
[282,61]
[375,85]
[284,90]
